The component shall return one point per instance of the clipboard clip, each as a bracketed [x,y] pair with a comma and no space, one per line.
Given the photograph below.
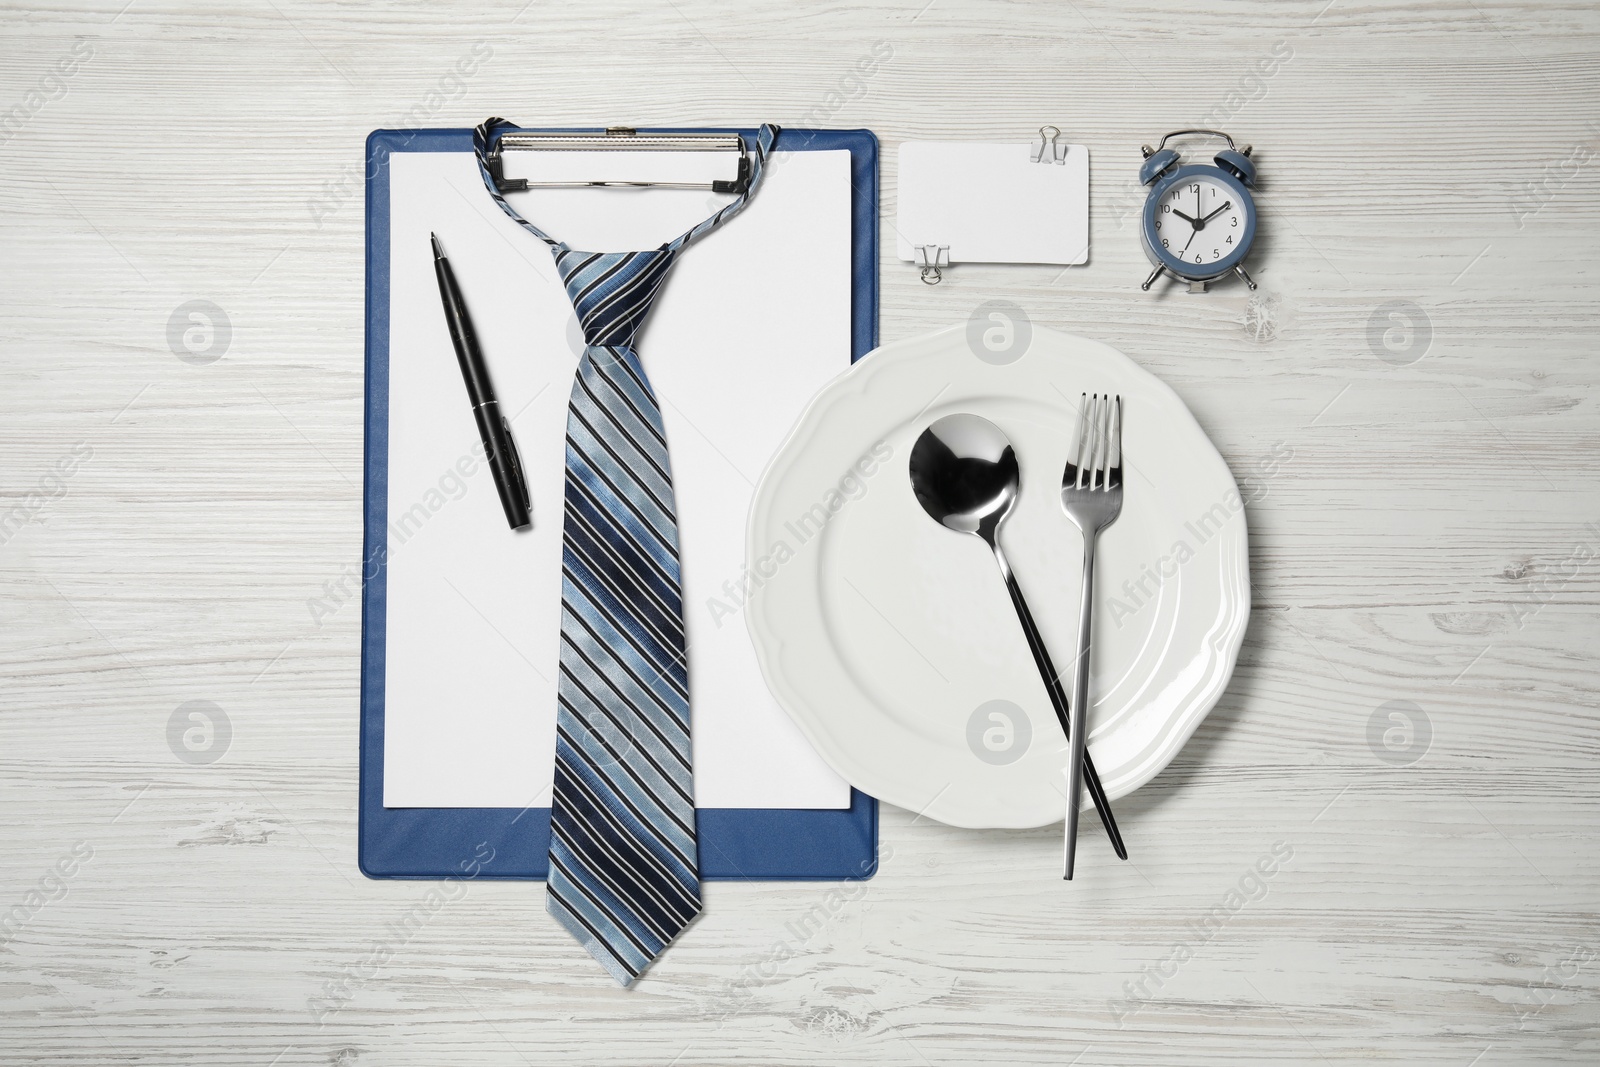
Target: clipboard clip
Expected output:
[617,138]
[1049,149]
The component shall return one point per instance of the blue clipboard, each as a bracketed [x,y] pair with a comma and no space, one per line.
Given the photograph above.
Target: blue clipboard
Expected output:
[765,844]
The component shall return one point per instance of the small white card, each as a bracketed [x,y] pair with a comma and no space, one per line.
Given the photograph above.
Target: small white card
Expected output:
[990,203]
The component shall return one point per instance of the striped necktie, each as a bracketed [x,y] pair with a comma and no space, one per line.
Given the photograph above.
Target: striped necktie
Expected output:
[624,862]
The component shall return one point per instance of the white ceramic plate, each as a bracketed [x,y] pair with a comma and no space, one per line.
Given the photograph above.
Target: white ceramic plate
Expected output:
[891,641]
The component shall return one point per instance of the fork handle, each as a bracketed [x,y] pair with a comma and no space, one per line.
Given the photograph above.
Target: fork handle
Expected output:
[1058,701]
[1080,700]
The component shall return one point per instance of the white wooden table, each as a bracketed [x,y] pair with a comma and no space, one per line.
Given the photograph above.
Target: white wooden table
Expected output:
[1422,346]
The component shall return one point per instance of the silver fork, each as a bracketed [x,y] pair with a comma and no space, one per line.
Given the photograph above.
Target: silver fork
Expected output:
[1091,495]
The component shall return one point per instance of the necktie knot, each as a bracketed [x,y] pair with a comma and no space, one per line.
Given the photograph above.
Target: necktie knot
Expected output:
[612,291]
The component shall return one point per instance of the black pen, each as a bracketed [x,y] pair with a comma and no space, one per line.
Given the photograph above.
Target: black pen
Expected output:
[493,427]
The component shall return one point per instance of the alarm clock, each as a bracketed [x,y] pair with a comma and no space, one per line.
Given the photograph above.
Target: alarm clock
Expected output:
[1199,219]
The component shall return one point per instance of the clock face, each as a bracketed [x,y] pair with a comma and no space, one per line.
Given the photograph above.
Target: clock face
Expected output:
[1200,222]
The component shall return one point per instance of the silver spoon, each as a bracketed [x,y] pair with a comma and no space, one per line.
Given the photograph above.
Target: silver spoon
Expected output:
[965,475]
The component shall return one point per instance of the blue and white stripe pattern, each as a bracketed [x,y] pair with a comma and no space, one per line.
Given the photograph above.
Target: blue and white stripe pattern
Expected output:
[624,872]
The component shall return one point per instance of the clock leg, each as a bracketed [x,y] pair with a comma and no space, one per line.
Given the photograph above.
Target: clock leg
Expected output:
[1239,270]
[1148,282]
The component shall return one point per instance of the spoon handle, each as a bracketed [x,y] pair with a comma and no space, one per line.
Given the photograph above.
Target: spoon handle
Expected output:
[1058,701]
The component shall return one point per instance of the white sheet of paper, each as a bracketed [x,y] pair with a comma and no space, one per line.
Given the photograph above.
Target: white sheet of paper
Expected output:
[753,320]
[990,203]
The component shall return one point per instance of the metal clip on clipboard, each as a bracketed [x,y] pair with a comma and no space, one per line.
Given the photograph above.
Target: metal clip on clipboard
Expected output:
[618,138]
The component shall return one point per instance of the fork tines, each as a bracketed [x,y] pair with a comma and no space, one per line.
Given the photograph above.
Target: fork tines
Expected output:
[1097,461]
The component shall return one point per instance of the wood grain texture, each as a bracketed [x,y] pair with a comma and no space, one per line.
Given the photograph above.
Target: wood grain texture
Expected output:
[1428,541]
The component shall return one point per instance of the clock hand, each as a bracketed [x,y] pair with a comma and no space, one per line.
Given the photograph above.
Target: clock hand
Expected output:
[1189,242]
[1185,218]
[1226,204]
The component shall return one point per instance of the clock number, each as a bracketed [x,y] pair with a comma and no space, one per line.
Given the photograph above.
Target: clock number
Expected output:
[1236,220]
[1195,189]
[1158,224]
[1230,238]
[1165,243]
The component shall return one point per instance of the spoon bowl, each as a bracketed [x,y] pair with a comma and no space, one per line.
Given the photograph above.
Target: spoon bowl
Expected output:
[964,473]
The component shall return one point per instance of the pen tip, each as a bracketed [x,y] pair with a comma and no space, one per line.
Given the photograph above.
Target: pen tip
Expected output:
[438,253]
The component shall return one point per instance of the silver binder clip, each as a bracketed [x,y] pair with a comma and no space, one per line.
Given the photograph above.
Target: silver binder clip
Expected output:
[623,138]
[932,258]
[1049,149]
